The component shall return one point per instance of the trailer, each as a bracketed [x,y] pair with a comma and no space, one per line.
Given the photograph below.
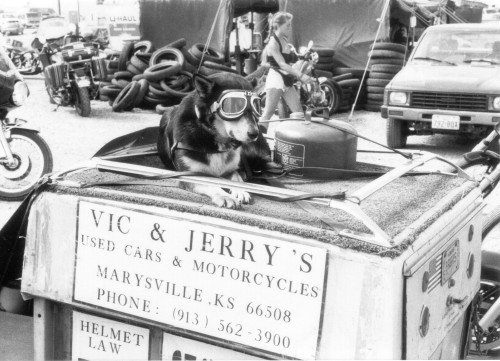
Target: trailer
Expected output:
[373,267]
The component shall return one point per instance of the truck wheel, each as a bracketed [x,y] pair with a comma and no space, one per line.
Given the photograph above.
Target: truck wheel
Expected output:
[82,102]
[396,133]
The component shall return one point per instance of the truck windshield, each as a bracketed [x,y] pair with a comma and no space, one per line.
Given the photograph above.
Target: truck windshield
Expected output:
[452,47]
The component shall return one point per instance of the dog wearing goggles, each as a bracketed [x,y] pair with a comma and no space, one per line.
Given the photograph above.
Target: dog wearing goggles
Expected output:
[211,131]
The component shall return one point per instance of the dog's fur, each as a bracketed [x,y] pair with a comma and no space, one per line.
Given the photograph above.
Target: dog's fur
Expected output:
[209,144]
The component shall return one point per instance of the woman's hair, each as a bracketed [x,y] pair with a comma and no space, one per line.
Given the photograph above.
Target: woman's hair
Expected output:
[279,19]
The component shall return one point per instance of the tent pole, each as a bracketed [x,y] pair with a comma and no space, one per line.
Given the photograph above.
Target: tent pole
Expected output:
[381,21]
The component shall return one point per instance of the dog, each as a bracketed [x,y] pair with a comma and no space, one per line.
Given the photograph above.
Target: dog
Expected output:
[193,137]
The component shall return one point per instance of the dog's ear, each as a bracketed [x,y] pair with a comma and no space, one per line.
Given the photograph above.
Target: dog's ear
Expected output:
[202,85]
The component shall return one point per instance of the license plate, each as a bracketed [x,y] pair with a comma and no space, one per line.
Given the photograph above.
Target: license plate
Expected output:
[449,263]
[77,46]
[445,122]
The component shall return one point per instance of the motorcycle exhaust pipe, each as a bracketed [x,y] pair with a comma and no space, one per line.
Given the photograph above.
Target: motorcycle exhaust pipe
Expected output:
[490,316]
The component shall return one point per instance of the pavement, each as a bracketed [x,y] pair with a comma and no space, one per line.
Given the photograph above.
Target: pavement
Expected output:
[16,337]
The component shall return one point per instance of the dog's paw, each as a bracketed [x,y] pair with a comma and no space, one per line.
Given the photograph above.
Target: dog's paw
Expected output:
[242,196]
[226,201]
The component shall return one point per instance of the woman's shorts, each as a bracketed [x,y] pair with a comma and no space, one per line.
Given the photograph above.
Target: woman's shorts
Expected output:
[274,80]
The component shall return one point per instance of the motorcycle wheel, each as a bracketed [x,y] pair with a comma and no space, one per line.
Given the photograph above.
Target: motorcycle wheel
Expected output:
[82,102]
[34,159]
[332,95]
[50,92]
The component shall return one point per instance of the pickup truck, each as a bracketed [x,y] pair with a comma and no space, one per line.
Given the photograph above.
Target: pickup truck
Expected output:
[449,85]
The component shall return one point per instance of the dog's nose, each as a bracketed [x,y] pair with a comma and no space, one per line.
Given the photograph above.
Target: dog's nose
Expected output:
[253,135]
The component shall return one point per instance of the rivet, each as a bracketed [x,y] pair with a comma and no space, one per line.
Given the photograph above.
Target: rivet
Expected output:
[425,281]
[470,265]
[424,321]
[471,232]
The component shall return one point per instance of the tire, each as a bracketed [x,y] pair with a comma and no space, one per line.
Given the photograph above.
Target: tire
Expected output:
[389,46]
[378,82]
[375,89]
[121,83]
[333,95]
[168,54]
[399,62]
[375,96]
[356,72]
[48,88]
[324,52]
[349,83]
[386,68]
[372,108]
[217,66]
[131,68]
[18,177]
[143,46]
[161,71]
[190,58]
[342,77]
[327,67]
[323,73]
[139,64]
[124,75]
[82,102]
[126,53]
[110,91]
[144,87]
[211,55]
[377,75]
[173,92]
[396,133]
[126,97]
[178,44]
[387,54]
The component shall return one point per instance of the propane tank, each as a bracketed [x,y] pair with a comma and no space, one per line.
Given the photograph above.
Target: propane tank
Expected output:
[301,143]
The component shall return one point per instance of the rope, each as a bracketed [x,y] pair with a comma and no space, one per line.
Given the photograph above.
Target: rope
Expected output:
[209,38]
[381,21]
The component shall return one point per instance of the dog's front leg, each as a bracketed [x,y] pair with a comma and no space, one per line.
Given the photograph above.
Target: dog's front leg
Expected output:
[242,196]
[218,196]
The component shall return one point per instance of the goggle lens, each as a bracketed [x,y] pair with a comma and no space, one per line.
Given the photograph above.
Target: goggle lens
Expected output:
[234,106]
[257,106]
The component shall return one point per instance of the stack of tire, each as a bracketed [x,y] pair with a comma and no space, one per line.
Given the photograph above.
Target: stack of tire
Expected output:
[349,80]
[157,79]
[324,66]
[111,68]
[387,59]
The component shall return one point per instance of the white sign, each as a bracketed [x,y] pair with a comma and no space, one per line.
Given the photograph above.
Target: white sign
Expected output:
[180,348]
[250,288]
[97,338]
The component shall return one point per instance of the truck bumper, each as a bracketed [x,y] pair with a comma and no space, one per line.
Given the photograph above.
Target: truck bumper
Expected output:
[425,115]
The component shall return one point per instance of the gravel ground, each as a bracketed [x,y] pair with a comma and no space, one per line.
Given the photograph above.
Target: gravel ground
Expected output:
[73,139]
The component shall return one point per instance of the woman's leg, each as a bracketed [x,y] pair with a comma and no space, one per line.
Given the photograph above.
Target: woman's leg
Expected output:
[273,96]
[292,99]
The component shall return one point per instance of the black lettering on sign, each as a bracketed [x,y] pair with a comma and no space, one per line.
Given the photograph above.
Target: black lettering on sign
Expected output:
[305,262]
[114,222]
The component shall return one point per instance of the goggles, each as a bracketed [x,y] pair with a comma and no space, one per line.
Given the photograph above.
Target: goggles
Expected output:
[232,104]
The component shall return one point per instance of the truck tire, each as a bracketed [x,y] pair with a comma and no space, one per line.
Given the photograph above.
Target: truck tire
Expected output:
[396,133]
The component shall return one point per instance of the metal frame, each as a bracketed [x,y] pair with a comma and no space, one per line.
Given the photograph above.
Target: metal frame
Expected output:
[351,205]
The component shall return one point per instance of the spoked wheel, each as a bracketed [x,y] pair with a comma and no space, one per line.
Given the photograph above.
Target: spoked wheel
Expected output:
[332,96]
[82,102]
[33,159]
[490,342]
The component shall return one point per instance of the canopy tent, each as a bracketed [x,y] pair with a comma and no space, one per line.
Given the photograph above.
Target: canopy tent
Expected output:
[348,26]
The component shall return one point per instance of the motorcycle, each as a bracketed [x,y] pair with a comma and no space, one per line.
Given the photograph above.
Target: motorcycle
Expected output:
[26,61]
[485,318]
[72,71]
[322,96]
[24,155]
